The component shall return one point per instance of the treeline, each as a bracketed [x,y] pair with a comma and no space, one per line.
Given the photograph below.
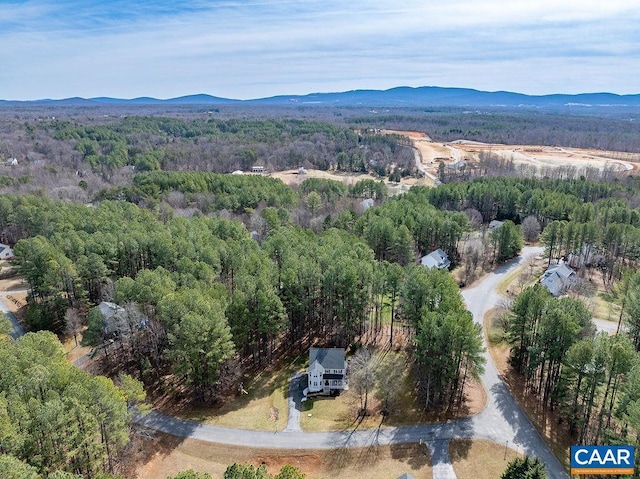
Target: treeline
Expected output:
[231,192]
[592,380]
[57,421]
[245,471]
[211,192]
[526,128]
[593,224]
[408,224]
[204,300]
[104,148]
[76,158]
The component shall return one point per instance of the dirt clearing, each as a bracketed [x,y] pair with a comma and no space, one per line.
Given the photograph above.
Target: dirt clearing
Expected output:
[293,178]
[541,157]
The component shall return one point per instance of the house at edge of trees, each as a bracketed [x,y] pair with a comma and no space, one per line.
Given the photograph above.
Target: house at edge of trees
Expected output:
[5,252]
[558,278]
[327,371]
[436,259]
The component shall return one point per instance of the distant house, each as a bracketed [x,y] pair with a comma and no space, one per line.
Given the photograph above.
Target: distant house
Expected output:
[5,252]
[327,371]
[495,224]
[237,172]
[436,259]
[458,165]
[118,321]
[12,162]
[558,278]
[367,203]
[406,475]
[302,171]
[115,318]
[257,169]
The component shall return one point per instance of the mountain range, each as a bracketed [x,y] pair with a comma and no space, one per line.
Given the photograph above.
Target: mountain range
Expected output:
[427,96]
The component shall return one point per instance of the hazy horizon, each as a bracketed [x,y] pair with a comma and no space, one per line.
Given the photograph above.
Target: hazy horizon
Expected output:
[257,49]
[304,94]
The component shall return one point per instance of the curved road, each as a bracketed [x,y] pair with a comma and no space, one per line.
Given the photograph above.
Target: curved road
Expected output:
[18,330]
[502,421]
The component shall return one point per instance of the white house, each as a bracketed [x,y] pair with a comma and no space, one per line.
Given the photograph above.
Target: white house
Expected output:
[12,162]
[436,259]
[5,252]
[558,278]
[257,169]
[327,371]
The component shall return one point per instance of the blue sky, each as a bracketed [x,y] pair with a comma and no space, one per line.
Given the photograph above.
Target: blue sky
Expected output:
[252,49]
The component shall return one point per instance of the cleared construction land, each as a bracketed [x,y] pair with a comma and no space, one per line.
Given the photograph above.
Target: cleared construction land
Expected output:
[541,157]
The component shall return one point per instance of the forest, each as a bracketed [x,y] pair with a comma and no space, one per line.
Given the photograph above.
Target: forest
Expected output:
[221,275]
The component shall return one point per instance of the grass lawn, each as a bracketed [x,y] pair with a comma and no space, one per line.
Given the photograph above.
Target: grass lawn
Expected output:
[479,459]
[340,413]
[525,275]
[264,408]
[604,309]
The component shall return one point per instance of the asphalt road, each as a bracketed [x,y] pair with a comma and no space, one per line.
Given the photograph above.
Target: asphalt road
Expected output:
[18,330]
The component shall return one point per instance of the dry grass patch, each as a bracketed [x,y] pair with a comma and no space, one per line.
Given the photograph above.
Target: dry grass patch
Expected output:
[264,407]
[479,459]
[164,455]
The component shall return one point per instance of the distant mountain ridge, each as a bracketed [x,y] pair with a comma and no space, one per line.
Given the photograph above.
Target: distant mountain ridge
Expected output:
[426,96]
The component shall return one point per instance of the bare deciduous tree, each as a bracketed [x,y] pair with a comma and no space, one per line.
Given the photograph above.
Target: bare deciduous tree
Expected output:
[364,365]
[531,229]
[72,323]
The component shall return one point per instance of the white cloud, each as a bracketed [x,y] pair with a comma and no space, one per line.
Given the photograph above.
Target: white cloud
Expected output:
[249,49]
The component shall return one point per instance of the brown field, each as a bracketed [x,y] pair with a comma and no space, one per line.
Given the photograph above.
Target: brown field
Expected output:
[479,459]
[292,178]
[158,456]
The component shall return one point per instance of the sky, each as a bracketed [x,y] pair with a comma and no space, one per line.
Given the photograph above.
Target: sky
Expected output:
[256,49]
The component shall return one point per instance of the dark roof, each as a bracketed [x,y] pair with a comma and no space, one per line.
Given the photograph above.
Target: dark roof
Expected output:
[329,358]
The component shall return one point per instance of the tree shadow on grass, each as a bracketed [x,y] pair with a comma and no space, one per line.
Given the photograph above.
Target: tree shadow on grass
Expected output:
[414,454]
[459,448]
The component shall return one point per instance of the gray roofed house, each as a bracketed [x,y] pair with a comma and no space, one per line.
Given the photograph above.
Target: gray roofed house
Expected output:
[115,318]
[327,370]
[118,321]
[495,224]
[436,259]
[558,278]
[367,203]
[406,475]
[5,251]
